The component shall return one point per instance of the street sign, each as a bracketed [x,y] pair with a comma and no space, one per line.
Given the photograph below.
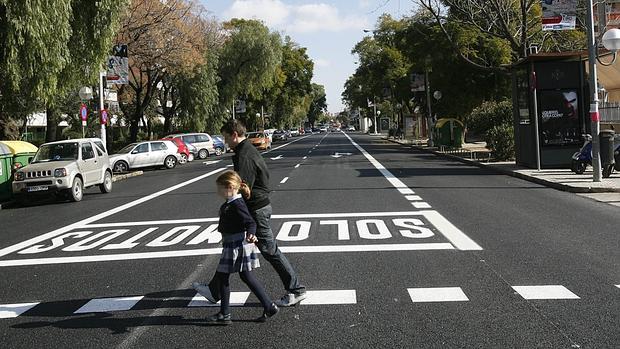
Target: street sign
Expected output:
[104,117]
[118,66]
[240,106]
[83,113]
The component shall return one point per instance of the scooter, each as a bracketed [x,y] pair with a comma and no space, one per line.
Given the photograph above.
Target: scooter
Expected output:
[583,158]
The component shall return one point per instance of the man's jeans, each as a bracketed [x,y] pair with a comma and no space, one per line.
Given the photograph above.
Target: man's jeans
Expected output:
[269,249]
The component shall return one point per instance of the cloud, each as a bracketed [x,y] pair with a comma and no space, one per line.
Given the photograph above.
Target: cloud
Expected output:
[273,12]
[305,18]
[320,62]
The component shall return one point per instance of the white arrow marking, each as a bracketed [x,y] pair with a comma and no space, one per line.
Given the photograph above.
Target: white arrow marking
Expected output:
[277,157]
[337,155]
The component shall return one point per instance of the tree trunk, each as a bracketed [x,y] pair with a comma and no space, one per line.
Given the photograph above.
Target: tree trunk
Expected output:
[167,124]
[52,123]
[134,126]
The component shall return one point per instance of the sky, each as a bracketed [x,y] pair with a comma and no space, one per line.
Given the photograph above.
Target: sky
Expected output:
[329,29]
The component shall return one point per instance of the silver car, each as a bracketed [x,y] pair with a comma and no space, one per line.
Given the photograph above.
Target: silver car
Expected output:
[145,154]
[202,141]
[65,167]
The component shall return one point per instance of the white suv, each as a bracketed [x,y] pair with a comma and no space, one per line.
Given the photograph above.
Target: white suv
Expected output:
[65,167]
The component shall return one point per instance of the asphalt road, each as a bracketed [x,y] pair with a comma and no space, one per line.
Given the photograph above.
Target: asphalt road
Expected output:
[397,248]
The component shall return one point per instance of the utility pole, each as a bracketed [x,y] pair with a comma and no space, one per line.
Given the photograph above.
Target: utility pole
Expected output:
[374,104]
[594,114]
[102,108]
[429,118]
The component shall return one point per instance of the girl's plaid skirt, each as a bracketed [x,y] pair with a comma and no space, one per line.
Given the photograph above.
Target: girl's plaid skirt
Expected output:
[238,255]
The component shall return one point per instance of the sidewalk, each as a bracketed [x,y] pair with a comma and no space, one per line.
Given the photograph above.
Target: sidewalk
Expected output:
[561,179]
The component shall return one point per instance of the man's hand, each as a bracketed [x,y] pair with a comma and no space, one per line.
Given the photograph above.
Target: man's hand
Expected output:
[251,238]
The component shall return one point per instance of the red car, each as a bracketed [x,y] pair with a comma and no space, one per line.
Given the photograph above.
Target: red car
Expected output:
[183,149]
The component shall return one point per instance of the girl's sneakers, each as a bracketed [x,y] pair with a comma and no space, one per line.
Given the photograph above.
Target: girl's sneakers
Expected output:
[273,310]
[219,319]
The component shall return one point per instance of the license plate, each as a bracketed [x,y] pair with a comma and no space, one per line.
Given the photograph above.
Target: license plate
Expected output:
[37,188]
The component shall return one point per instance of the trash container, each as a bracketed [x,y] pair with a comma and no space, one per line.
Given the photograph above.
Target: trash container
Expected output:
[606,138]
[449,132]
[6,175]
[22,152]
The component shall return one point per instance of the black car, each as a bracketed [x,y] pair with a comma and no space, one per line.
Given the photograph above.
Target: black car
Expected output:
[279,135]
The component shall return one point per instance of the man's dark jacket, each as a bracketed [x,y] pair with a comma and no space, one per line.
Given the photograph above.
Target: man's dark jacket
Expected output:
[252,169]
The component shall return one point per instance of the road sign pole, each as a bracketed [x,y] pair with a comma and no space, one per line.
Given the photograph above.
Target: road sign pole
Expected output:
[594,114]
[102,108]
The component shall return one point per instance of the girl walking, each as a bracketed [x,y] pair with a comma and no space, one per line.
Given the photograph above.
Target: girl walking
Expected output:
[238,254]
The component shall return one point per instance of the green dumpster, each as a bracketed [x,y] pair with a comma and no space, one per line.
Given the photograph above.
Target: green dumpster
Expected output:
[22,152]
[449,132]
[6,166]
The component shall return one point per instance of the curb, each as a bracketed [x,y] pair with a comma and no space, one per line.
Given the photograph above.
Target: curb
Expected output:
[121,177]
[554,185]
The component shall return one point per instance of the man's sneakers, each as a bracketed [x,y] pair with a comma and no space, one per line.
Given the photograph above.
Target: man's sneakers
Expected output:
[273,310]
[290,299]
[204,291]
[219,319]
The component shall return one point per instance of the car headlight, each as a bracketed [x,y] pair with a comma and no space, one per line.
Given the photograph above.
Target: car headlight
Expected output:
[60,172]
[20,176]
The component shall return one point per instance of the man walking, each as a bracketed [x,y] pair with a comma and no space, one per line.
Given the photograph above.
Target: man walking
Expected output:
[250,165]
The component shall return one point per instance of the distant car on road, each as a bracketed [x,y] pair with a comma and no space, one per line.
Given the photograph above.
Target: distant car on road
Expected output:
[65,168]
[279,135]
[308,131]
[145,154]
[351,128]
[260,140]
[202,141]
[294,132]
[322,128]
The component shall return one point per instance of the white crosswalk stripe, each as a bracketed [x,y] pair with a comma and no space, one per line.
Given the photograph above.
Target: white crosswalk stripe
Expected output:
[14,310]
[237,299]
[545,292]
[421,205]
[101,305]
[437,294]
[330,297]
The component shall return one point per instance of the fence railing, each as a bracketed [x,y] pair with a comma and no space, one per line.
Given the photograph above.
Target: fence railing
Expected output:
[610,112]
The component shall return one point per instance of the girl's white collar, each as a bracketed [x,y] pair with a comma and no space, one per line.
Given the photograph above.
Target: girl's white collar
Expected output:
[238,196]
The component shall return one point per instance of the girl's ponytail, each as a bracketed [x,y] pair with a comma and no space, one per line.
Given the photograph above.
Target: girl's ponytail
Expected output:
[244,190]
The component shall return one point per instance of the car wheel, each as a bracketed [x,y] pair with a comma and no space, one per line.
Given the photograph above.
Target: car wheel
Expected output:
[170,162]
[219,151]
[203,153]
[183,158]
[106,186]
[120,167]
[77,190]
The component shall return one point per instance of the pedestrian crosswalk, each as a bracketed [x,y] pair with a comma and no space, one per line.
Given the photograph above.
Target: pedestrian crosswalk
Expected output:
[314,297]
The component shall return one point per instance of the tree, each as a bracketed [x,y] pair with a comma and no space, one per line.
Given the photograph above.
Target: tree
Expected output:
[318,105]
[163,38]
[249,60]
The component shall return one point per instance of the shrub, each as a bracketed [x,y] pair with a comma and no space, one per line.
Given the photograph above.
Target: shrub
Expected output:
[488,115]
[500,139]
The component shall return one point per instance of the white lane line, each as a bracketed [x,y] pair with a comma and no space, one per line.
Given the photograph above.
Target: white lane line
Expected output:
[218,250]
[57,232]
[296,166]
[284,180]
[433,214]
[8,311]
[545,292]
[304,158]
[437,294]
[618,286]
[211,162]
[457,237]
[237,299]
[413,197]
[102,305]
[421,205]
[330,297]
[284,145]
[452,233]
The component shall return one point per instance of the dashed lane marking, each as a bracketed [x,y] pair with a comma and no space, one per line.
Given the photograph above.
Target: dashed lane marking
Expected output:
[413,197]
[284,180]
[437,294]
[545,292]
[14,310]
[102,305]
[421,205]
[296,166]
[304,158]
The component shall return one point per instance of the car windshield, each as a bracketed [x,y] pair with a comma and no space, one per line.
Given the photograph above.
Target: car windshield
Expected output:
[126,149]
[57,152]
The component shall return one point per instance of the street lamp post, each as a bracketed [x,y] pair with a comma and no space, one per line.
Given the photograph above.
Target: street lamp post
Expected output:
[377,113]
[102,109]
[594,114]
